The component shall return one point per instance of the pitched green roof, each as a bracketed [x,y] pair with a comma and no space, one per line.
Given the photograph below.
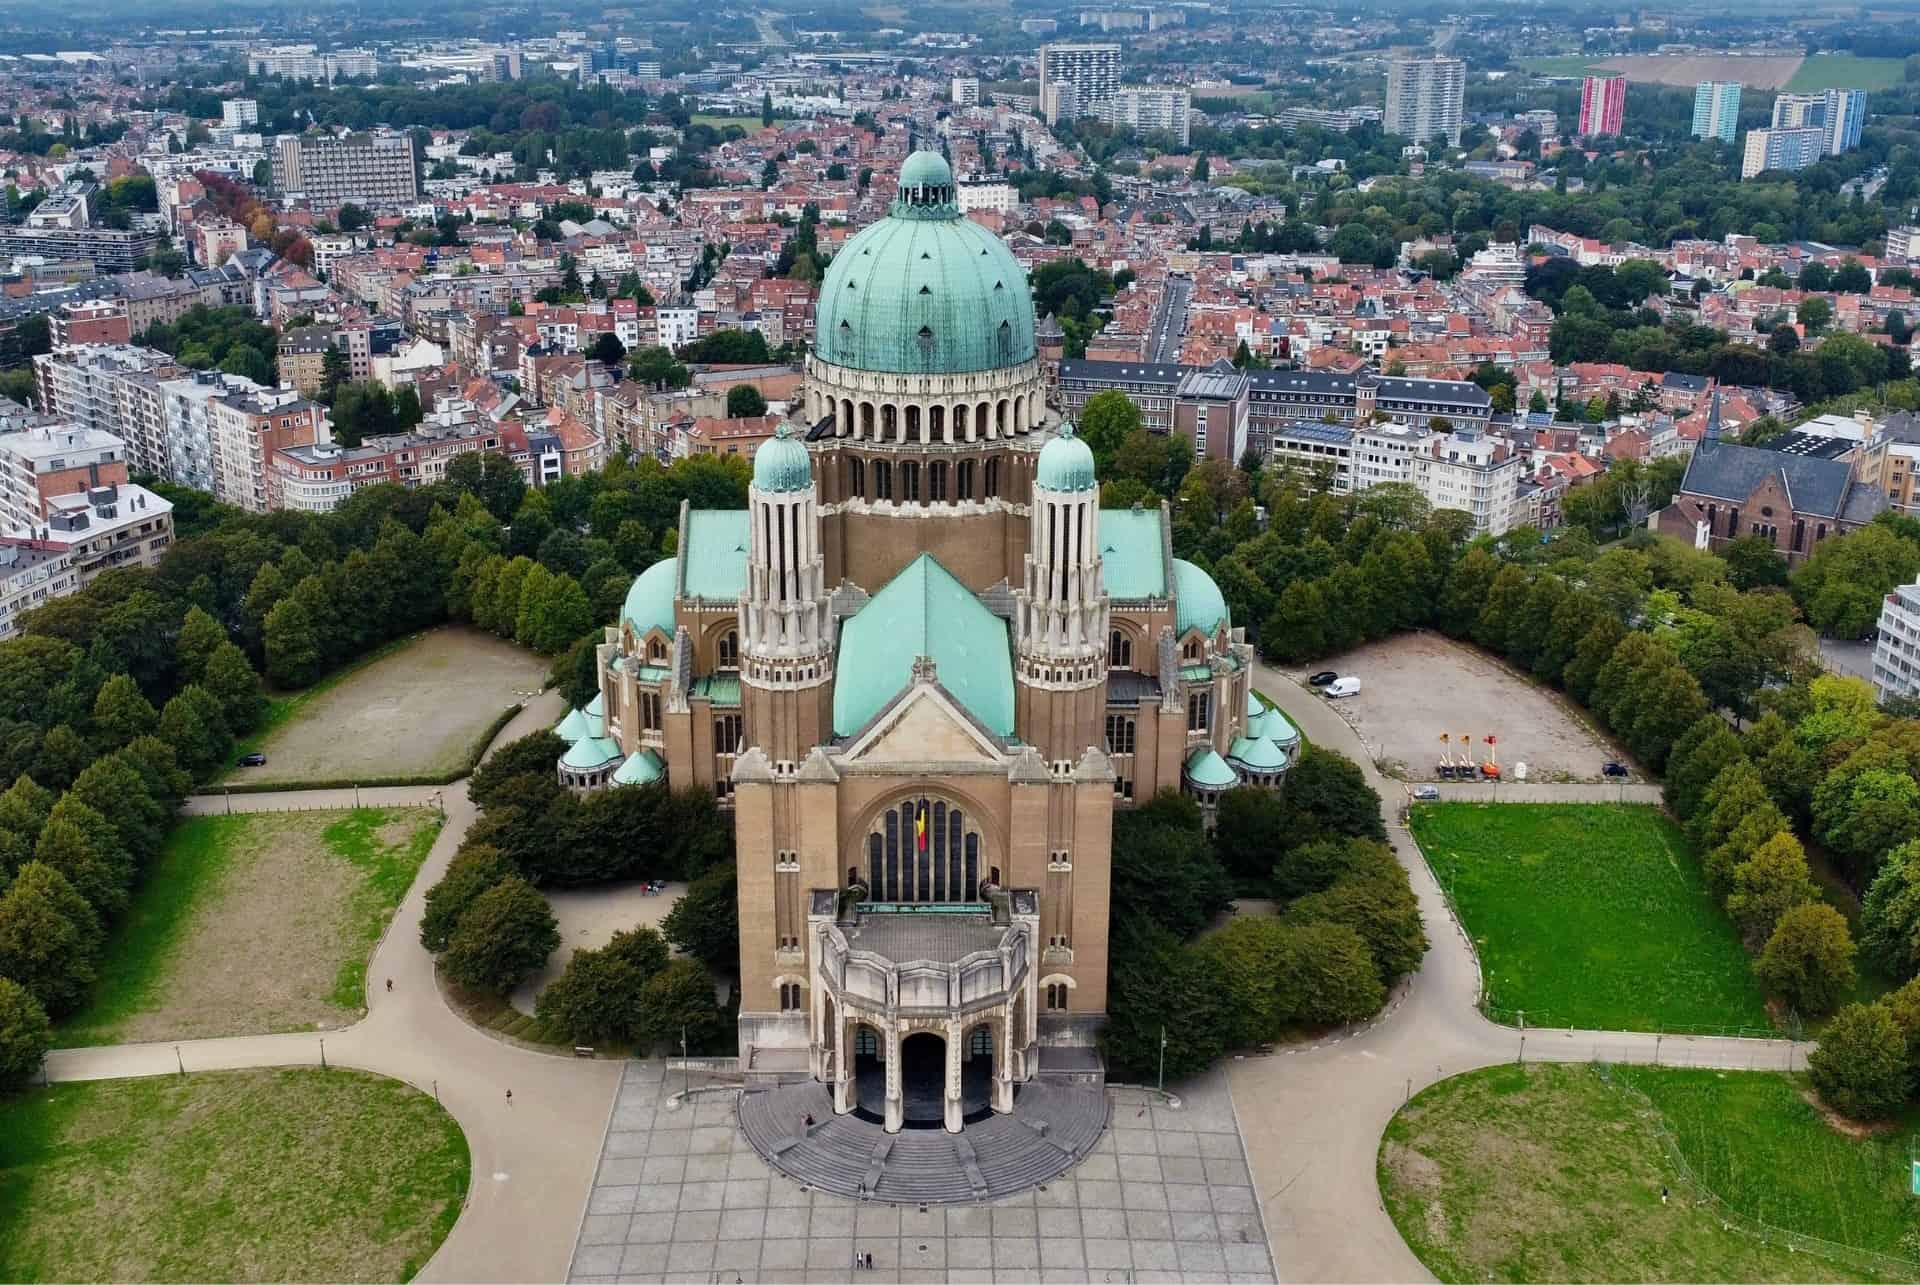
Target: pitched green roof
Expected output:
[590,752]
[1132,553]
[924,611]
[1273,725]
[1201,604]
[1209,770]
[572,727]
[643,768]
[1253,703]
[597,707]
[720,689]
[1258,753]
[716,554]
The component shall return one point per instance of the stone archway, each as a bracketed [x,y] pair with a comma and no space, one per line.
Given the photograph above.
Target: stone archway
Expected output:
[923,1080]
[867,1048]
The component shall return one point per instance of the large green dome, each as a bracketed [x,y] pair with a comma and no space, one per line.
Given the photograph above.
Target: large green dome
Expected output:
[925,291]
[649,602]
[1201,605]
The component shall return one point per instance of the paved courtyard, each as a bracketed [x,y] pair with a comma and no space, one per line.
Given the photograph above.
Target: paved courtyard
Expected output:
[680,1195]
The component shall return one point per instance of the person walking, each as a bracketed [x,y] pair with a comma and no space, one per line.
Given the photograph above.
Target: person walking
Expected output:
[509,1097]
[389,985]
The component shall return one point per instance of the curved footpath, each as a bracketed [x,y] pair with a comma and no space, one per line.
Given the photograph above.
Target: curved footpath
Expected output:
[533,1162]
[1312,1118]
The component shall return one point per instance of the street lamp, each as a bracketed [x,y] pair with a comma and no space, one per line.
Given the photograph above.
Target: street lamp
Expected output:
[1161,1085]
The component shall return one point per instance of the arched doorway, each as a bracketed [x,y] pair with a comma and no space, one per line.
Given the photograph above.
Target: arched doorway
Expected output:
[923,1080]
[976,1072]
[869,1072]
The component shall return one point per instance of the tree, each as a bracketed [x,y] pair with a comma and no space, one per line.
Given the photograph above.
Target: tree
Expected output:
[121,712]
[1246,953]
[1380,907]
[1783,341]
[294,657]
[677,1009]
[1328,796]
[476,868]
[49,938]
[194,724]
[503,938]
[705,921]
[1249,826]
[608,350]
[1201,171]
[1808,962]
[1815,313]
[599,998]
[25,1035]
[1107,420]
[1326,976]
[1163,997]
[1767,884]
[658,368]
[1163,863]
[744,402]
[1860,1067]
[1890,912]
[200,636]
[232,682]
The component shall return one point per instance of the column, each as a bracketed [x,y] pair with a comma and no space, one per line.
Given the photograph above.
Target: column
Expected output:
[1003,1064]
[843,1087]
[956,1048]
[896,1113]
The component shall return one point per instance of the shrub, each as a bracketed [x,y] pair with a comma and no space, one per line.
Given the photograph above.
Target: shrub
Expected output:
[1325,975]
[1890,913]
[1808,961]
[1860,1068]
[503,938]
[1164,865]
[1246,954]
[474,869]
[705,923]
[1157,986]
[1381,908]
[25,1034]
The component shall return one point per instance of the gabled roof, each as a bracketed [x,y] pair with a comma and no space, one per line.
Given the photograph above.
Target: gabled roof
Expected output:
[715,559]
[1132,561]
[1724,471]
[924,611]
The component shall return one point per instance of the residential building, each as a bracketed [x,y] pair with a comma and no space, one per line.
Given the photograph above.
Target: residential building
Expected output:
[64,489]
[965,91]
[1782,149]
[366,169]
[1716,110]
[1844,114]
[1603,106]
[108,249]
[1150,110]
[1798,111]
[1465,469]
[1337,119]
[238,113]
[114,388]
[247,428]
[93,321]
[1320,451]
[1896,651]
[1903,245]
[1426,97]
[32,574]
[1092,69]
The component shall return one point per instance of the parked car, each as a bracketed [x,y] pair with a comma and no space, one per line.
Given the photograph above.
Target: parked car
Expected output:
[1343,687]
[1322,678]
[1613,767]
[1426,793]
[253,760]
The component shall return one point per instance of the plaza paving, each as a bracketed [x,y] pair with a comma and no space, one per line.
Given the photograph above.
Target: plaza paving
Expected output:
[680,1195]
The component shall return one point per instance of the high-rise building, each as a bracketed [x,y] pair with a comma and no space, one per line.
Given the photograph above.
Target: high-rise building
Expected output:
[1798,111]
[1147,109]
[1425,97]
[966,91]
[1903,245]
[1782,149]
[237,113]
[1844,114]
[1092,70]
[367,169]
[1603,105]
[1716,109]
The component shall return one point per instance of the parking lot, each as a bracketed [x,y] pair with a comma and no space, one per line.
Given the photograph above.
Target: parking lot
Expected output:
[1415,687]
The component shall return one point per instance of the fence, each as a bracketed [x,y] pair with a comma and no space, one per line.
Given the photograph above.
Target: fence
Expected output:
[1865,1261]
[1529,1019]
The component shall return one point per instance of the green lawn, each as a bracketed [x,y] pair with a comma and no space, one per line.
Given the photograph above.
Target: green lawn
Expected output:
[1553,1172]
[1844,71]
[1558,64]
[255,922]
[749,123]
[281,1175]
[1590,915]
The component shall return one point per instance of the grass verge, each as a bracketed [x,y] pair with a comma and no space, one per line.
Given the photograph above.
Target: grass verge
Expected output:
[253,923]
[275,1175]
[1591,915]
[494,1014]
[1553,1172]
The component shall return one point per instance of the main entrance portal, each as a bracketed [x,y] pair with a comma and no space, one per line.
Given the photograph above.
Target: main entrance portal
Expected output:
[923,1078]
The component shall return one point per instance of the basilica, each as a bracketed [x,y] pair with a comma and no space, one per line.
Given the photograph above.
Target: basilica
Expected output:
[923,667]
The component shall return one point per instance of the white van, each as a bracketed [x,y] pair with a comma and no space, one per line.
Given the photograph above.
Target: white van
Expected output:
[1343,687]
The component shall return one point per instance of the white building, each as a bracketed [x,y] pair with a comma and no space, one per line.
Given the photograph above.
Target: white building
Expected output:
[965,91]
[1903,245]
[114,388]
[32,574]
[993,194]
[1463,469]
[1896,654]
[1147,110]
[1426,96]
[1092,69]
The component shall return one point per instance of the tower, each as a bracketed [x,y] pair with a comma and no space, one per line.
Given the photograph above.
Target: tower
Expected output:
[786,636]
[1062,605]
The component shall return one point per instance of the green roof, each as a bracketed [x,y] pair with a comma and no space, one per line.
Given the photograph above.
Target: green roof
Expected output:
[925,169]
[1258,753]
[924,611]
[1253,703]
[1132,553]
[1201,605]
[925,291]
[716,554]
[1196,673]
[649,604]
[597,707]
[1066,463]
[590,752]
[720,689]
[1209,770]
[643,768]
[1273,725]
[781,463]
[572,727]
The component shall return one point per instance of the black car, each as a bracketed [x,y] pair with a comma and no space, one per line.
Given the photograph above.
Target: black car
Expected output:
[253,760]
[1613,768]
[1322,678]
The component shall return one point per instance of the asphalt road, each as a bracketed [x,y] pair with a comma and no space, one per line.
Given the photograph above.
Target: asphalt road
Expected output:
[1170,320]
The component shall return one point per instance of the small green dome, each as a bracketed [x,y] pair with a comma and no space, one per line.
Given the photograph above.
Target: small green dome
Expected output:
[1258,753]
[1066,463]
[649,603]
[925,291]
[643,768]
[589,753]
[781,463]
[1209,771]
[1273,726]
[574,727]
[1200,603]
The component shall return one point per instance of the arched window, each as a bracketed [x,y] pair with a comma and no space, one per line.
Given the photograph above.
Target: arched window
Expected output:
[910,481]
[963,481]
[730,650]
[866,1042]
[789,997]
[882,480]
[1003,343]
[1057,996]
[1193,650]
[937,481]
[923,850]
[993,479]
[1119,651]
[856,478]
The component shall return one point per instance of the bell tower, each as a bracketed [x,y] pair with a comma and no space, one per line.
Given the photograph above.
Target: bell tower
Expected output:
[786,636]
[1061,615]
